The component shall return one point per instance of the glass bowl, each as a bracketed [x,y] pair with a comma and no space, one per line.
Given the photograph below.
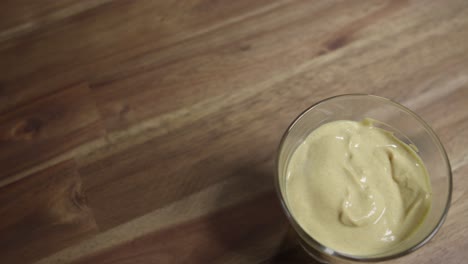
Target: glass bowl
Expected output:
[408,127]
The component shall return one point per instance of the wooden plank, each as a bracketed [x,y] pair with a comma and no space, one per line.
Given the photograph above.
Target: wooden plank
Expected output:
[217,143]
[293,254]
[448,116]
[14,14]
[149,169]
[207,71]
[43,213]
[205,64]
[246,187]
[216,238]
[208,61]
[22,17]
[47,127]
[160,166]
[79,49]
[196,94]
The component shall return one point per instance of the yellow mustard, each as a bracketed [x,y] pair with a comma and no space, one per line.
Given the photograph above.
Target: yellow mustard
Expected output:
[356,188]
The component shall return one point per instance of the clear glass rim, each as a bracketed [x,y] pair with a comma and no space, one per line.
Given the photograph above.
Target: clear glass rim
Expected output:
[329,251]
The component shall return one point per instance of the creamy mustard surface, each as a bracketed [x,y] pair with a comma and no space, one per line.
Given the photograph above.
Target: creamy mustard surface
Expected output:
[356,188]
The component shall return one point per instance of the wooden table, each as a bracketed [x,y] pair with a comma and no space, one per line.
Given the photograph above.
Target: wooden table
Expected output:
[145,131]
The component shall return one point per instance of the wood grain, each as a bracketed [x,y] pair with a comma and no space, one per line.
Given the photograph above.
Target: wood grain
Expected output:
[49,50]
[46,127]
[166,116]
[218,237]
[43,213]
